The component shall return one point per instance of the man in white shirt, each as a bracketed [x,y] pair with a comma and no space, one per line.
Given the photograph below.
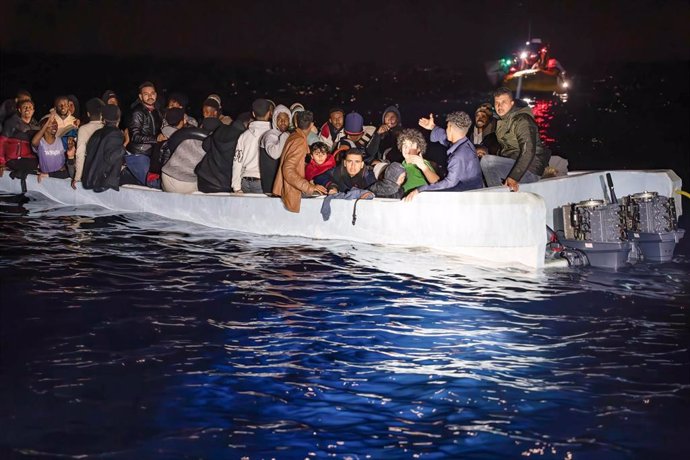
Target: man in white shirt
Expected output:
[246,175]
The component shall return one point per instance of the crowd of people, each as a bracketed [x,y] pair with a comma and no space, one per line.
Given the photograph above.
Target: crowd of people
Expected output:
[271,149]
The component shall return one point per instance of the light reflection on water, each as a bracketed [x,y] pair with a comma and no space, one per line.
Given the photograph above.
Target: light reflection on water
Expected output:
[136,337]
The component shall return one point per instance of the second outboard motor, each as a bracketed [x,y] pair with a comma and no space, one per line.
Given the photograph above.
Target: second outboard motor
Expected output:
[651,222]
[597,229]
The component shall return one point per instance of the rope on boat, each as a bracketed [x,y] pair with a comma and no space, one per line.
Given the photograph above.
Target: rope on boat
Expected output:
[682,192]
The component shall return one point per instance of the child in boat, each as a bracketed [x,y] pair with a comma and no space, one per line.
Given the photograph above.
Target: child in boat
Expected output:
[319,170]
[51,152]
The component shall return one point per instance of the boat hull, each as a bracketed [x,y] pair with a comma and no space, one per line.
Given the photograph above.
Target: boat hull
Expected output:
[535,81]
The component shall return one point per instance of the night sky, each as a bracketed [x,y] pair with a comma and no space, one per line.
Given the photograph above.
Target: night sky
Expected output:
[388,32]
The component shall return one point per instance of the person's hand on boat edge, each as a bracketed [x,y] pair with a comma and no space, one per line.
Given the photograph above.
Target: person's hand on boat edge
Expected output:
[410,196]
[428,123]
[320,190]
[512,184]
[74,184]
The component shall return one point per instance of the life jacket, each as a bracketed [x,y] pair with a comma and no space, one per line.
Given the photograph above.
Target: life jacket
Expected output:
[13,149]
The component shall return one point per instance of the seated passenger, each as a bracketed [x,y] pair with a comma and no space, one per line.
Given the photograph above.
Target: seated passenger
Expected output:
[15,142]
[464,172]
[105,152]
[352,173]
[390,185]
[245,169]
[214,171]
[50,151]
[271,147]
[388,132]
[179,101]
[290,182]
[9,107]
[186,148]
[73,108]
[332,131]
[319,170]
[419,170]
[483,134]
[94,109]
[521,156]
[358,136]
[210,111]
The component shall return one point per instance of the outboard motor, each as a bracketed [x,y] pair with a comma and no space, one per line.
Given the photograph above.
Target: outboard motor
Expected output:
[652,224]
[597,229]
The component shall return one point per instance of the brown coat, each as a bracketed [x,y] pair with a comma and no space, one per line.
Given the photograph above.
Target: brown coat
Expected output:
[290,182]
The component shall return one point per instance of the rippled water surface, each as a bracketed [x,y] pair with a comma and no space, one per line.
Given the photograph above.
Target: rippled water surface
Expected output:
[131,337]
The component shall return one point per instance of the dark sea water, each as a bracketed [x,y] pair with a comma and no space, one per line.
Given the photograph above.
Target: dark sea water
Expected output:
[135,337]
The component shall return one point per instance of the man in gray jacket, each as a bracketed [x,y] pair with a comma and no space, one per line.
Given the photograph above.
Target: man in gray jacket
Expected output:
[521,155]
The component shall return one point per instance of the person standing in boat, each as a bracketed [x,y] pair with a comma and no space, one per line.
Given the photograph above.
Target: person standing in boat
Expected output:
[464,172]
[290,182]
[246,173]
[521,157]
[94,109]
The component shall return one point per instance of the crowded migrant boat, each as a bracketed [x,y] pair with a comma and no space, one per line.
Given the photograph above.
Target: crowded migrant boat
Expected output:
[272,149]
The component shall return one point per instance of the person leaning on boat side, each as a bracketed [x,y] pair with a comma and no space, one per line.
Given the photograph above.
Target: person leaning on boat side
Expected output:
[352,173]
[290,183]
[332,131]
[105,152]
[464,172]
[483,133]
[246,174]
[15,142]
[419,171]
[214,171]
[94,109]
[271,146]
[521,156]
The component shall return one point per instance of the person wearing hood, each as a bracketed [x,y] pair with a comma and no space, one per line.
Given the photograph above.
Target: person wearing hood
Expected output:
[271,147]
[521,156]
[390,129]
[483,133]
[332,131]
[390,185]
[214,171]
[104,151]
[246,173]
[294,110]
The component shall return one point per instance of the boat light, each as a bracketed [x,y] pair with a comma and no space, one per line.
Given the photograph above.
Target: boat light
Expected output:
[565,84]
[523,55]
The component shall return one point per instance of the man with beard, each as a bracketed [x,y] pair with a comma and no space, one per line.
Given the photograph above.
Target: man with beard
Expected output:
[332,131]
[146,121]
[483,134]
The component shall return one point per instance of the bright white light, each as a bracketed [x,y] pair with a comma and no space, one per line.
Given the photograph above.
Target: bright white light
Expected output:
[523,55]
[565,84]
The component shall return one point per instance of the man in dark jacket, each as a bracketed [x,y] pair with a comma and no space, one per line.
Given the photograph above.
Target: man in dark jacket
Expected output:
[521,156]
[104,154]
[352,173]
[145,124]
[214,171]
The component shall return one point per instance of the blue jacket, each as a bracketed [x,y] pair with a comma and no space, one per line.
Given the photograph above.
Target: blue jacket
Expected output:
[464,172]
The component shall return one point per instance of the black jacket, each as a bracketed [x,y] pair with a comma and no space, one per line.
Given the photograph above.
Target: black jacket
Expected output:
[214,171]
[144,127]
[104,155]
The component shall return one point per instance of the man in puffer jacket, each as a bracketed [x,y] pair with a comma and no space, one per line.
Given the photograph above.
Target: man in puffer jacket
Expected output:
[521,156]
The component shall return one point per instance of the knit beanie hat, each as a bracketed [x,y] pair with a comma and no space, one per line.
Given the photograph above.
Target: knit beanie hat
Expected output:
[354,124]
[109,94]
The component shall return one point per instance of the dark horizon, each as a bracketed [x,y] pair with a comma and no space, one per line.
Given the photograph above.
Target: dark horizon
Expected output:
[455,34]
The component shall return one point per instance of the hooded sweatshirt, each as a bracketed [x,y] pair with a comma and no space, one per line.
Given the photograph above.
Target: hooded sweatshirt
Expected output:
[214,171]
[272,144]
[388,186]
[246,162]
